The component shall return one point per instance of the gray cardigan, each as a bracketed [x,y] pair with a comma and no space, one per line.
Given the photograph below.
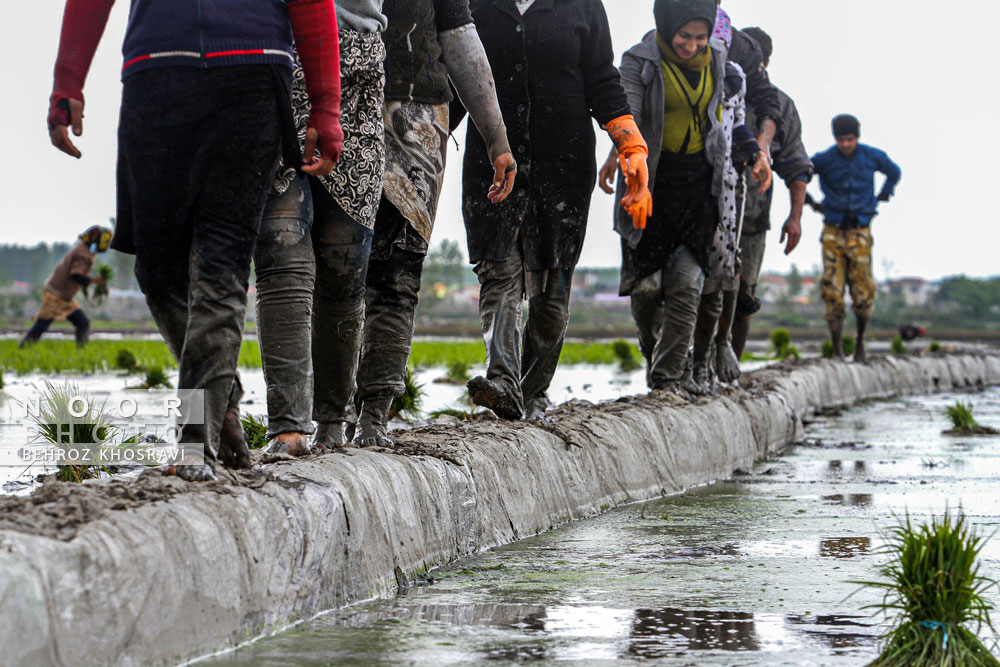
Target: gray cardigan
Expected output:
[642,77]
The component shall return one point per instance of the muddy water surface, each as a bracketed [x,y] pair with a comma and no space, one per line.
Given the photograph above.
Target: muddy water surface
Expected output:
[753,570]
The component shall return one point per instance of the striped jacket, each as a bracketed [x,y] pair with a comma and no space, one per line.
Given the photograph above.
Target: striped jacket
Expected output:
[206,33]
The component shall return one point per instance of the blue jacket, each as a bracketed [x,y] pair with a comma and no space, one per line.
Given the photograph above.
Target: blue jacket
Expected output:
[849,184]
[206,33]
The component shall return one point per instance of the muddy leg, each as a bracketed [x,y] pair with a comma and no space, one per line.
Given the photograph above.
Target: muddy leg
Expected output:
[393,288]
[286,275]
[709,309]
[682,283]
[646,302]
[727,360]
[544,332]
[500,298]
[860,355]
[837,337]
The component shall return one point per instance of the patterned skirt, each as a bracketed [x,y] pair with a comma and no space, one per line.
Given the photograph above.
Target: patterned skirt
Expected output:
[356,181]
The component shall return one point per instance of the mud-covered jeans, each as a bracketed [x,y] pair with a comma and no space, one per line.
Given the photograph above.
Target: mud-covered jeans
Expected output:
[526,374]
[198,150]
[311,261]
[665,310]
[392,290]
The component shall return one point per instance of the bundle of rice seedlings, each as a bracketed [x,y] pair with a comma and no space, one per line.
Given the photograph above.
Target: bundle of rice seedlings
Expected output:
[626,356]
[963,423]
[897,346]
[255,428]
[156,379]
[457,373]
[848,345]
[933,594]
[73,434]
[126,361]
[101,289]
[408,405]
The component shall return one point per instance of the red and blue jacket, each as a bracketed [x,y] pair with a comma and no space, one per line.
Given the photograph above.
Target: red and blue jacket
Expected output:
[206,33]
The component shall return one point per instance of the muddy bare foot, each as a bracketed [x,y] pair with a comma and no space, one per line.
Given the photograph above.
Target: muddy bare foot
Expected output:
[534,410]
[233,449]
[293,444]
[373,423]
[489,394]
[198,472]
[727,365]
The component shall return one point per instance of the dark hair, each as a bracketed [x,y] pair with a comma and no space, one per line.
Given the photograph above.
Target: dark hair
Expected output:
[762,38]
[846,124]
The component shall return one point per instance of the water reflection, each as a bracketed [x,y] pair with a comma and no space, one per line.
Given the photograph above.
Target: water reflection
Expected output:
[849,499]
[662,632]
[844,547]
[835,637]
[837,468]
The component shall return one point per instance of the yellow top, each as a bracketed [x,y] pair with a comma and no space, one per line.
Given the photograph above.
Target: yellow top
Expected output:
[685,116]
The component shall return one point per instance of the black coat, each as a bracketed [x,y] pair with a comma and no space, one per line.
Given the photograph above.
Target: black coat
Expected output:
[554,71]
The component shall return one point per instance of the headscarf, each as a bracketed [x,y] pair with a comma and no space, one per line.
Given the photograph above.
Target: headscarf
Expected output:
[97,237]
[845,124]
[723,27]
[671,15]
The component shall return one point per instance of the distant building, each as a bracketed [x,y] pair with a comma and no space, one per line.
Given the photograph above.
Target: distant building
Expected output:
[915,292]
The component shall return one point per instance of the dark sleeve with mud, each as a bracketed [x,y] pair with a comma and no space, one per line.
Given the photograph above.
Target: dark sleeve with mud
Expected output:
[602,81]
[451,14]
[762,96]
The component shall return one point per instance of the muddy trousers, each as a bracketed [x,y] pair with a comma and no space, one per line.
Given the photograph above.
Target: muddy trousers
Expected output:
[524,373]
[392,291]
[198,150]
[665,310]
[311,260]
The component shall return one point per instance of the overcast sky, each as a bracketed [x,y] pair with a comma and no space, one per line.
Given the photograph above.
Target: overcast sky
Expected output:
[920,81]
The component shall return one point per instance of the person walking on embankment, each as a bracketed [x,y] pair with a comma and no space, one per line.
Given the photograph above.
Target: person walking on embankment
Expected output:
[790,162]
[429,43]
[847,177]
[204,89]
[554,66]
[70,275]
[311,257]
[677,90]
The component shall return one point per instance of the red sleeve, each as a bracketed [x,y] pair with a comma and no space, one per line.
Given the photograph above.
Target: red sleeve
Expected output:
[82,26]
[314,24]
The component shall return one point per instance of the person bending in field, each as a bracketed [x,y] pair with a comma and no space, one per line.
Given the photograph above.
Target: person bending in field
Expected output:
[71,274]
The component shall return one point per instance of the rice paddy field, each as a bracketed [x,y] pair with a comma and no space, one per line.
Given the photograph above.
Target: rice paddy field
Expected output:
[62,356]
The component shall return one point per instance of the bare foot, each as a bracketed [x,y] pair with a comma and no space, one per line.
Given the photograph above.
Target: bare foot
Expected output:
[233,449]
[293,444]
[727,366]
[860,356]
[330,434]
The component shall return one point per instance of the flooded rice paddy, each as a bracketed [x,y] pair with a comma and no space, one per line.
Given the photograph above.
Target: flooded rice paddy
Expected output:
[752,570]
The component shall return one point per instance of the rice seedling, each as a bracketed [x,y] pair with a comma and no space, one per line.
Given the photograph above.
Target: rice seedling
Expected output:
[781,342]
[1,379]
[255,428]
[126,361]
[78,436]
[101,289]
[457,372]
[964,423]
[626,355]
[934,346]
[848,345]
[408,405]
[62,356]
[826,350]
[897,346]
[156,378]
[933,595]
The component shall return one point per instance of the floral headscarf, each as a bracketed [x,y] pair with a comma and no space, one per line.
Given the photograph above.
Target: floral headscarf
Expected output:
[723,27]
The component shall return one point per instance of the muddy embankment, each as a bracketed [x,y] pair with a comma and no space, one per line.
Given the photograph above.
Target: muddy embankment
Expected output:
[157,570]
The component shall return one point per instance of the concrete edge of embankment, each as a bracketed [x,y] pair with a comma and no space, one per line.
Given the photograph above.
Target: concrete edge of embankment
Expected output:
[166,581]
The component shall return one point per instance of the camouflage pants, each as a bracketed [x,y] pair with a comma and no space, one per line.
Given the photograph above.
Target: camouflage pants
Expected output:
[847,260]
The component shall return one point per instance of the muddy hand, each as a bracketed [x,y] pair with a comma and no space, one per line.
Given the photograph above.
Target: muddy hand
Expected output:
[504,173]
[762,171]
[606,178]
[311,163]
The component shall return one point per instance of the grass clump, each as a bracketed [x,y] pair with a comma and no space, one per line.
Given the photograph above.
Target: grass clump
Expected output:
[897,346]
[933,593]
[964,423]
[627,356]
[255,428]
[848,345]
[101,289]
[934,346]
[407,405]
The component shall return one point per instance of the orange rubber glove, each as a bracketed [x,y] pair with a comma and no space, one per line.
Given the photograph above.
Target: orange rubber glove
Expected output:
[632,154]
